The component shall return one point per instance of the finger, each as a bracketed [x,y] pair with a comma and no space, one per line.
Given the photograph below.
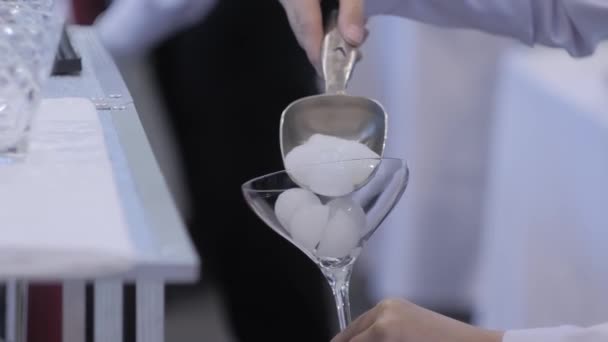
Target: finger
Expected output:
[360,325]
[307,23]
[351,21]
[359,52]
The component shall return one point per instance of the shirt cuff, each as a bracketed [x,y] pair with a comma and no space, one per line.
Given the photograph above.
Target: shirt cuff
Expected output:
[559,334]
[378,7]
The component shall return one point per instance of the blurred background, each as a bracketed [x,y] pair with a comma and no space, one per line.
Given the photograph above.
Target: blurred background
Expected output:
[504,223]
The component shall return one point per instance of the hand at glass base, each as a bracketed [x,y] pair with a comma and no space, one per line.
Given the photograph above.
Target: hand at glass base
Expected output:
[401,321]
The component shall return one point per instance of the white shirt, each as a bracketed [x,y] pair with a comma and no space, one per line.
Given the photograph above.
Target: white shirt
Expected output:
[575,25]
[131,27]
[561,334]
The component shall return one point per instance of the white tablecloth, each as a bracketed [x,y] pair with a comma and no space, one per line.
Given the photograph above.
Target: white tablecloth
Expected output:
[545,245]
[60,213]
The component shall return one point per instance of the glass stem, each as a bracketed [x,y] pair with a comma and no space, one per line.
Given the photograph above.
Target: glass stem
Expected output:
[339,280]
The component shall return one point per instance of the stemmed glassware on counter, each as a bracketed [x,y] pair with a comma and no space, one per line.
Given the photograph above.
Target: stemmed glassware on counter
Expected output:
[30,31]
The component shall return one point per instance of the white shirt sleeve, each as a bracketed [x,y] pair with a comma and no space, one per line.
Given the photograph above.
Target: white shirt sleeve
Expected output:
[133,26]
[562,334]
[575,25]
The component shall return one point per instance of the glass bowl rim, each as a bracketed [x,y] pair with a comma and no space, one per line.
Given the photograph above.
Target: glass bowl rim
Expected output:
[246,187]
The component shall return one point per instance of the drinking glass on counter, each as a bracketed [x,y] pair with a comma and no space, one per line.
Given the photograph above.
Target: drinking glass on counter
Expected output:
[30,31]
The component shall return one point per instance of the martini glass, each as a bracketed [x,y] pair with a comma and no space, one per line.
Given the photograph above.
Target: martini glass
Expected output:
[330,229]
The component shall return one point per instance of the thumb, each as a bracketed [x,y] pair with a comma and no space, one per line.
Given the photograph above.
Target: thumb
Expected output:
[351,21]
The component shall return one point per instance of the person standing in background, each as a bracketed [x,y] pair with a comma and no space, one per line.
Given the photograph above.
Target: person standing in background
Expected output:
[225,81]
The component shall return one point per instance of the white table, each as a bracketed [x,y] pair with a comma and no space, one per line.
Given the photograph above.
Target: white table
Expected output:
[545,245]
[164,251]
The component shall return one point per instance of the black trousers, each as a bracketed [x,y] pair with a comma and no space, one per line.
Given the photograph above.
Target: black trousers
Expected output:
[226,82]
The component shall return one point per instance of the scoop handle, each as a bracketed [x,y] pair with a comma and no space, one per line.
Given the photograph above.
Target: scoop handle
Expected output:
[338,57]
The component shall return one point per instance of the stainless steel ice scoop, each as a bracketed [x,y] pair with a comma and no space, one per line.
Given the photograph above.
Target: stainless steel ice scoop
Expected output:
[335,113]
